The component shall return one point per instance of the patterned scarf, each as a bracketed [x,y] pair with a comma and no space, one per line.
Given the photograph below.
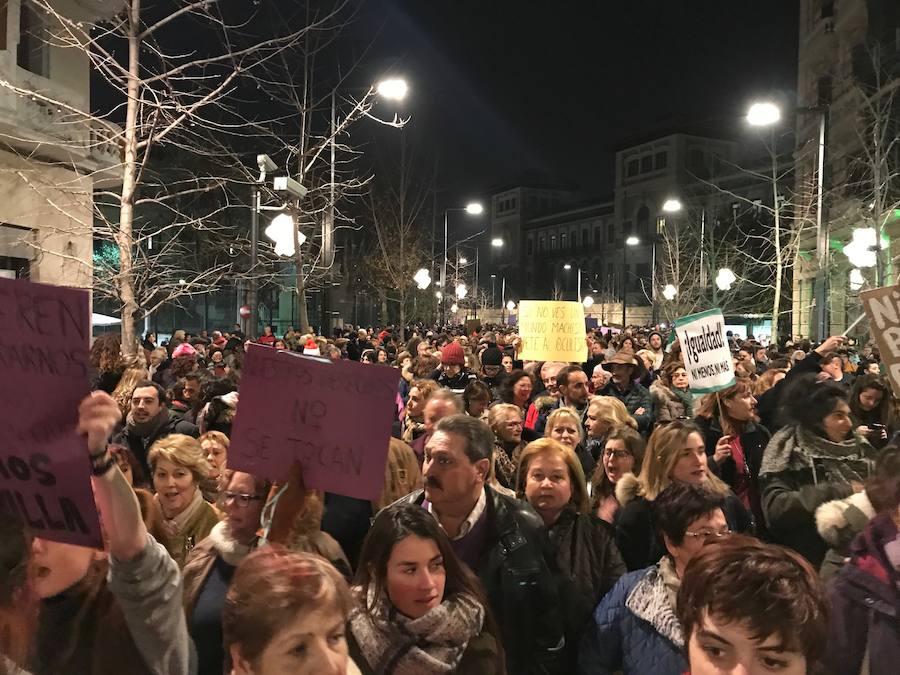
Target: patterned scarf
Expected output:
[430,645]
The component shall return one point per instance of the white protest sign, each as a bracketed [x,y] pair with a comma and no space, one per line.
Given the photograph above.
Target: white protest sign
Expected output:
[882,306]
[704,347]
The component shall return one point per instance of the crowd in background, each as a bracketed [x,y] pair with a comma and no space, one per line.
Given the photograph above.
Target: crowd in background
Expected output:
[536,517]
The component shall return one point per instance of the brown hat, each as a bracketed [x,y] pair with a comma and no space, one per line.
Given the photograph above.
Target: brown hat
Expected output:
[626,357]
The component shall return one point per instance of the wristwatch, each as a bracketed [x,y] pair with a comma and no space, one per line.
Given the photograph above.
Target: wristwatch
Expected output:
[101,463]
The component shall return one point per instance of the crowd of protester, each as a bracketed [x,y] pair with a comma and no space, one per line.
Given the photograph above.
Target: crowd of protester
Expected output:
[535,518]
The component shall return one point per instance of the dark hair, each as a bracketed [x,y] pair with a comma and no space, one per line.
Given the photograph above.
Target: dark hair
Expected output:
[505,388]
[392,525]
[160,392]
[807,402]
[478,435]
[883,486]
[829,357]
[193,377]
[476,389]
[15,553]
[106,353]
[679,505]
[769,589]
[562,376]
[269,589]
[883,412]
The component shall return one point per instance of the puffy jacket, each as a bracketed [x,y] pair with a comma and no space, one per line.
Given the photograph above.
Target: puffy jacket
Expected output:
[635,630]
[839,522]
[864,621]
[668,405]
[518,571]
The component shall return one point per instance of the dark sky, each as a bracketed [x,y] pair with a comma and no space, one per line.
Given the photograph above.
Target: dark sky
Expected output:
[501,86]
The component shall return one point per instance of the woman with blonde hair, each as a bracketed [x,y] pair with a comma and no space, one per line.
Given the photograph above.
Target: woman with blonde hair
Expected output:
[604,414]
[215,448]
[550,479]
[767,380]
[180,470]
[564,425]
[675,452]
[135,371]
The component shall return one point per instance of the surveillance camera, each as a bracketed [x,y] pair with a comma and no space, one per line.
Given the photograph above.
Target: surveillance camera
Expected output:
[265,163]
[289,185]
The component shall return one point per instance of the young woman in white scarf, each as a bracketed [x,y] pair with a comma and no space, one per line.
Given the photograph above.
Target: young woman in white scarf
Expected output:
[420,611]
[815,458]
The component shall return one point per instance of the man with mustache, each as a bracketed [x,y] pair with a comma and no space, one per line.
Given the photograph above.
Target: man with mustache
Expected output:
[500,538]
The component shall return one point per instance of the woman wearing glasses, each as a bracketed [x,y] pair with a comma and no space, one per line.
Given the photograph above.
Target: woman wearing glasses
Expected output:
[623,453]
[676,453]
[635,629]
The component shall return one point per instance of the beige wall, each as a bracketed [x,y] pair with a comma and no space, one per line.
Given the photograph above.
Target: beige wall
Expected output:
[56,206]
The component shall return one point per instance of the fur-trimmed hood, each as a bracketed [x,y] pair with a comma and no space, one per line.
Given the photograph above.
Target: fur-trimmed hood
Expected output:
[627,489]
[839,520]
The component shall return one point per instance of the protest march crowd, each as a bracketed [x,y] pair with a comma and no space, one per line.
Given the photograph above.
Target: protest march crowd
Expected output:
[534,517]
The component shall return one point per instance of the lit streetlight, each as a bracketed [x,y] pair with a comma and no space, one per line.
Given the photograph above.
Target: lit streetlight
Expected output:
[281,231]
[567,267]
[669,292]
[393,89]
[461,291]
[454,308]
[510,305]
[497,242]
[588,301]
[473,209]
[422,279]
[724,279]
[671,206]
[463,261]
[763,114]
[631,240]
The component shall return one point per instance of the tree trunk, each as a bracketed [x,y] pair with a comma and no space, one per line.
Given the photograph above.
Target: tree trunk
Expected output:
[776,301]
[302,314]
[402,316]
[124,235]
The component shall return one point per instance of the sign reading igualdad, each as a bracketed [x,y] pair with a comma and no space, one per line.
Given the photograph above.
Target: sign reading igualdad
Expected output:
[705,350]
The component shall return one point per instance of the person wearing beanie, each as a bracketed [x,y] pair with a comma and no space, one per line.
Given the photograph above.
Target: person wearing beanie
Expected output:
[492,369]
[452,374]
[311,348]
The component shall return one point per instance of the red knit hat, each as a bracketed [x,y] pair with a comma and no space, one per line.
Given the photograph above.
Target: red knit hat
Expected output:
[452,355]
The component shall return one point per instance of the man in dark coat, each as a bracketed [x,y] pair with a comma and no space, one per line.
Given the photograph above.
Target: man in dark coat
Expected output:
[623,385]
[149,420]
[501,539]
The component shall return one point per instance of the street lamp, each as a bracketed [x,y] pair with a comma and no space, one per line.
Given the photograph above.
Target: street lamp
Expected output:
[765,114]
[669,292]
[671,206]
[724,279]
[588,301]
[473,209]
[497,242]
[567,267]
[454,308]
[422,279]
[463,261]
[392,89]
[281,231]
[461,291]
[510,305]
[857,280]
[629,241]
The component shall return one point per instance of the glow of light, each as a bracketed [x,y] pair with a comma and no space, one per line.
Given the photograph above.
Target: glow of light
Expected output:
[422,279]
[510,305]
[763,114]
[454,308]
[463,261]
[474,208]
[497,242]
[861,249]
[857,281]
[461,291]
[725,278]
[588,301]
[393,89]
[281,231]
[671,206]
[632,241]
[669,292]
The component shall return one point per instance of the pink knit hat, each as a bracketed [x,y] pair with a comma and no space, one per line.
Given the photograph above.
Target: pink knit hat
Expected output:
[184,349]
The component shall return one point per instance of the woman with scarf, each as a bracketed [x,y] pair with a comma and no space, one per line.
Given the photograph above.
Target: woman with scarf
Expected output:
[179,469]
[671,395]
[505,420]
[814,458]
[420,611]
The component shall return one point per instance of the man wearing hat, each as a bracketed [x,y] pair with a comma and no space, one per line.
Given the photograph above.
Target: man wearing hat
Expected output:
[452,373]
[626,371]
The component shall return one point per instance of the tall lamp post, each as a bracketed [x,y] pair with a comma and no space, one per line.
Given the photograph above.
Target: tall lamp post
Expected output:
[670,206]
[629,241]
[473,209]
[766,114]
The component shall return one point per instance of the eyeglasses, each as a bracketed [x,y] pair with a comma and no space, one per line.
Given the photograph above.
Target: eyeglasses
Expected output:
[618,454]
[703,536]
[240,499]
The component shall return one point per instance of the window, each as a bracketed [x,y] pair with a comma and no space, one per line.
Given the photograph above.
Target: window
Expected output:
[562,241]
[610,233]
[696,159]
[32,52]
[512,203]
[643,221]
[646,163]
[634,168]
[4,11]
[530,246]
[543,244]
[584,238]
[552,242]
[596,236]
[827,9]
[661,160]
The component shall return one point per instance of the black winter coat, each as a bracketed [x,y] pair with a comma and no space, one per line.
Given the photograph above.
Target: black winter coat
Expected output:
[518,570]
[140,445]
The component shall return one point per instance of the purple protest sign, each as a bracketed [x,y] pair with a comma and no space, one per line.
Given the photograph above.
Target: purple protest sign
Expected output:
[333,417]
[45,475]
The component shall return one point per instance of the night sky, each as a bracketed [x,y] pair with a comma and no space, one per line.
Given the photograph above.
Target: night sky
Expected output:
[499,87]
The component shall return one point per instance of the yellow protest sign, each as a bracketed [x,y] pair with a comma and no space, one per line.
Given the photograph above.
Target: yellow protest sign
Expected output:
[552,331]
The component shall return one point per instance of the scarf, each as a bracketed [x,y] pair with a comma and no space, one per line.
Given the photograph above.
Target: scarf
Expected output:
[146,429]
[796,449]
[228,548]
[174,526]
[506,455]
[430,645]
[670,580]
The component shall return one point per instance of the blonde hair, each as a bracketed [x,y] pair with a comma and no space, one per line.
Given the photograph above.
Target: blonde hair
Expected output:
[557,415]
[548,446]
[182,450]
[611,410]
[124,389]
[497,413]
[215,437]
[663,452]
[402,474]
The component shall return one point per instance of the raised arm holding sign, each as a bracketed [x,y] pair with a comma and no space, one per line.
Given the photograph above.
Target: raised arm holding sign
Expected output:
[704,348]
[552,331]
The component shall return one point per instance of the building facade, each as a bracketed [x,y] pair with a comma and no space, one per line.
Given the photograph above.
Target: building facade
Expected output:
[51,154]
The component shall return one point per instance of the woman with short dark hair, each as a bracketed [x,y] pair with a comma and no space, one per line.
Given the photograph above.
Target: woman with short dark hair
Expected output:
[814,458]
[420,609]
[746,603]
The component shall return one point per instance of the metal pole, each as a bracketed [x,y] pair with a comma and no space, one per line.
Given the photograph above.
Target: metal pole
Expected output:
[821,238]
[654,308]
[578,286]
[253,319]
[503,301]
[624,281]
[444,269]
[476,282]
[702,250]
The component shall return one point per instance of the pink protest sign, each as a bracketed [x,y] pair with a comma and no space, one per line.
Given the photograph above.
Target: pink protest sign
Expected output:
[332,417]
[45,476]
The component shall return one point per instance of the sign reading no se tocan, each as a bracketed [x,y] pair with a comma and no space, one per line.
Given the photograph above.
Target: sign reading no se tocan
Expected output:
[552,331]
[704,347]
